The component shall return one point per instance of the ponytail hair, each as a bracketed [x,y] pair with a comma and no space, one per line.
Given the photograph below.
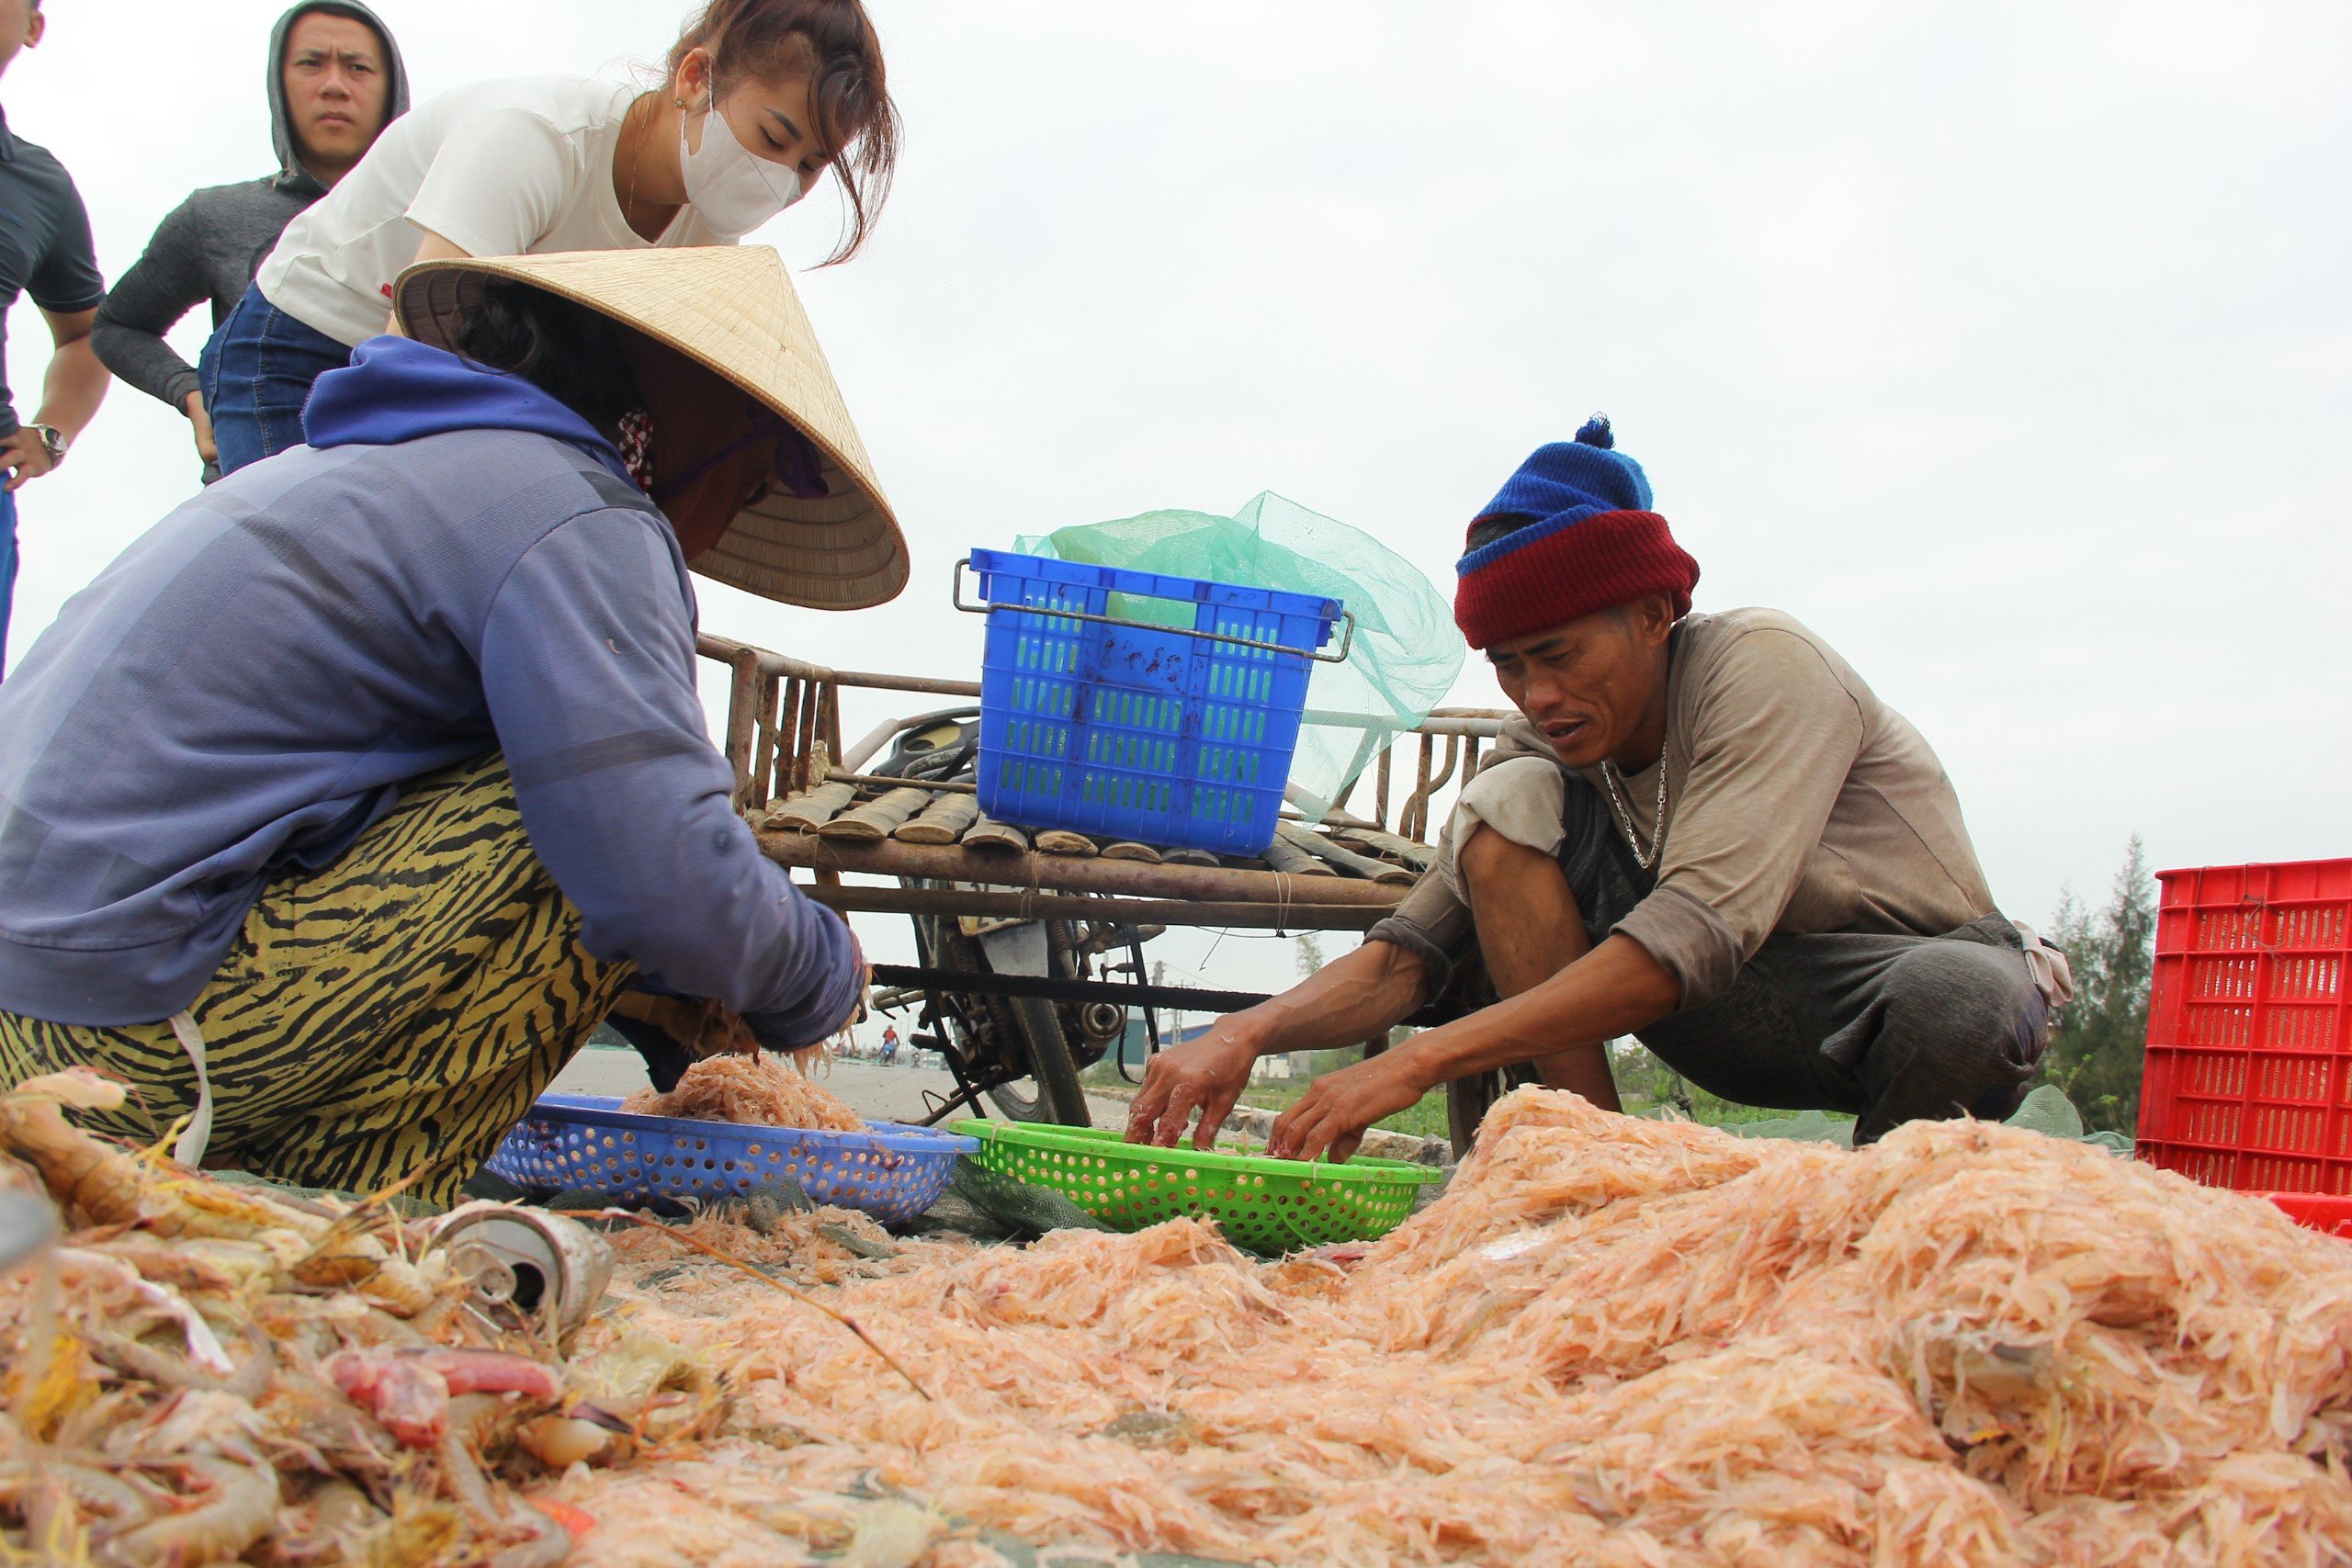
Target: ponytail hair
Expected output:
[832,45]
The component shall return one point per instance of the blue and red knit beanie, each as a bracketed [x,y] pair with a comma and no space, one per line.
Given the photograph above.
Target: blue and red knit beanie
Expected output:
[1588,542]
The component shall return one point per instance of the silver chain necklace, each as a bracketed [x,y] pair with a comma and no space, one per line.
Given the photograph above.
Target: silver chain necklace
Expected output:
[1622,812]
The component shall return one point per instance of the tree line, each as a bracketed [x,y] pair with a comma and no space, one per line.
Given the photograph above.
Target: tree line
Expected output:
[2101,1042]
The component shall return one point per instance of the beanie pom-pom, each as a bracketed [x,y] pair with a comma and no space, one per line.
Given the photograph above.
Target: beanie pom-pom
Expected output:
[1595,432]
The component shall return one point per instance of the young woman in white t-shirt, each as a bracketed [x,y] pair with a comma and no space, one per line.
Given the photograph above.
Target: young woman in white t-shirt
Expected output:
[761,99]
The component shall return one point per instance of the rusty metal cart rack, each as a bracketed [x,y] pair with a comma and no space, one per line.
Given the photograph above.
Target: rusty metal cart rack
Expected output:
[817,813]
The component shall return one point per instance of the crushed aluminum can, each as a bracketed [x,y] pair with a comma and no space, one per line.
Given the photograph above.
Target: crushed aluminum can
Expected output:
[539,1265]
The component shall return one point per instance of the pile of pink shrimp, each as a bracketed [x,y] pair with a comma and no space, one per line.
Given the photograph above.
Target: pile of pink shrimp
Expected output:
[1612,1341]
[759,1089]
[198,1372]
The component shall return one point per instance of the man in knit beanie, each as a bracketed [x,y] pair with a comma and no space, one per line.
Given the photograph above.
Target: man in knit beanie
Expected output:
[1704,830]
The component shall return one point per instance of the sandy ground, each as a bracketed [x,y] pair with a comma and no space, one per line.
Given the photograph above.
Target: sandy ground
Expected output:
[874,1091]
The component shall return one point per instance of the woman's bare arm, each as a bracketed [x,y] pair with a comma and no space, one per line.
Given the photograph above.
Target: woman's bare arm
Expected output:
[433,248]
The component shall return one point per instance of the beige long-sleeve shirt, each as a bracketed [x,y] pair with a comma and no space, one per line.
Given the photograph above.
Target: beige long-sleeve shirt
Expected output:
[1795,801]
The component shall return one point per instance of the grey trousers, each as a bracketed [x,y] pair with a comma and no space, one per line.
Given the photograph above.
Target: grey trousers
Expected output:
[1889,1029]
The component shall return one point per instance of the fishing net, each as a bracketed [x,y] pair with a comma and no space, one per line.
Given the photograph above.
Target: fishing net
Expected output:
[2046,1110]
[1017,1208]
[1406,651]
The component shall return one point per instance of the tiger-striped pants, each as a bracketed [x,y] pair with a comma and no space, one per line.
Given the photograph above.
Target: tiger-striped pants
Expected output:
[400,1008]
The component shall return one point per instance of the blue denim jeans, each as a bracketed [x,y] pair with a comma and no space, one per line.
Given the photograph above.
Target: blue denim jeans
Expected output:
[256,372]
[7,570]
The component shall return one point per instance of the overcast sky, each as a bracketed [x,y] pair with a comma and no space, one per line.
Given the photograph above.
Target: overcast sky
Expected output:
[2007,346]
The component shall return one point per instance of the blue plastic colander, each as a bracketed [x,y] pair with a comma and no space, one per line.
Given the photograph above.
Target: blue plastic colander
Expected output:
[573,1142]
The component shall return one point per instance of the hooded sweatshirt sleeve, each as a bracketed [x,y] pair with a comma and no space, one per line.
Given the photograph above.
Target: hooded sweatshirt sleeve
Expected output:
[587,665]
[164,284]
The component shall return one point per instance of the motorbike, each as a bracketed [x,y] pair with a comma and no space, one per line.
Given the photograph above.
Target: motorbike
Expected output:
[1023,1053]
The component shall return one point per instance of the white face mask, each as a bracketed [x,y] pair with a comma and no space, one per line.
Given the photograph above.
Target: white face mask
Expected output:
[732,188]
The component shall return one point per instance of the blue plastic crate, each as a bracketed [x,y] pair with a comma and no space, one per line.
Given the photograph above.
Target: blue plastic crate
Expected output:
[1153,733]
[573,1142]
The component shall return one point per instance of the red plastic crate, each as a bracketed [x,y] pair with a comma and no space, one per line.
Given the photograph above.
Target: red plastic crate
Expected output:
[2250,1029]
[2317,1209]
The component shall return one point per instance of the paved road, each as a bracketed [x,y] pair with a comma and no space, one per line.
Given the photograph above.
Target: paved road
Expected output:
[877,1092]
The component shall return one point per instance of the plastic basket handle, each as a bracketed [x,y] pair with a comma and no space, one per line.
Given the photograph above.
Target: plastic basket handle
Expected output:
[1347,619]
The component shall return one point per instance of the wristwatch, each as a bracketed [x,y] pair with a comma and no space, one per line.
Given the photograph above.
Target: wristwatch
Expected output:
[52,441]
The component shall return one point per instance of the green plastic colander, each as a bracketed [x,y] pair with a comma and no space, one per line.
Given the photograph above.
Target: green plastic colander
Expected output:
[1266,1205]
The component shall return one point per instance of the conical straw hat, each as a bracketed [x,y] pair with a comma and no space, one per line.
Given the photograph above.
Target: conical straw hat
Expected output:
[732,310]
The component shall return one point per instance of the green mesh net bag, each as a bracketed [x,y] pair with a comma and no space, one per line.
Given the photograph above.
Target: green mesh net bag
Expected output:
[1406,651]
[2046,1110]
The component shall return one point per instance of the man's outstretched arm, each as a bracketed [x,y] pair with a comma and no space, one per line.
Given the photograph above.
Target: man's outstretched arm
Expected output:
[1616,988]
[1348,1000]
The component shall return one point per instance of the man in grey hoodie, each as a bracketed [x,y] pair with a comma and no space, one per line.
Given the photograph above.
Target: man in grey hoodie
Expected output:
[335,81]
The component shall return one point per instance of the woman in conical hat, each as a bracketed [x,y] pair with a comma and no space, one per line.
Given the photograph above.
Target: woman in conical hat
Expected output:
[761,99]
[342,806]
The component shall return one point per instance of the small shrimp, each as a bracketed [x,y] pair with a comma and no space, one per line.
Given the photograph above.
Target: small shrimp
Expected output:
[203,1346]
[107,1185]
[322,1527]
[91,1489]
[53,1526]
[462,1474]
[206,1207]
[549,1542]
[208,1266]
[192,1421]
[146,1362]
[545,1543]
[312,1420]
[239,1510]
[253,1380]
[86,1428]
[409,1289]
[363,1263]
[248,1383]
[339,1507]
